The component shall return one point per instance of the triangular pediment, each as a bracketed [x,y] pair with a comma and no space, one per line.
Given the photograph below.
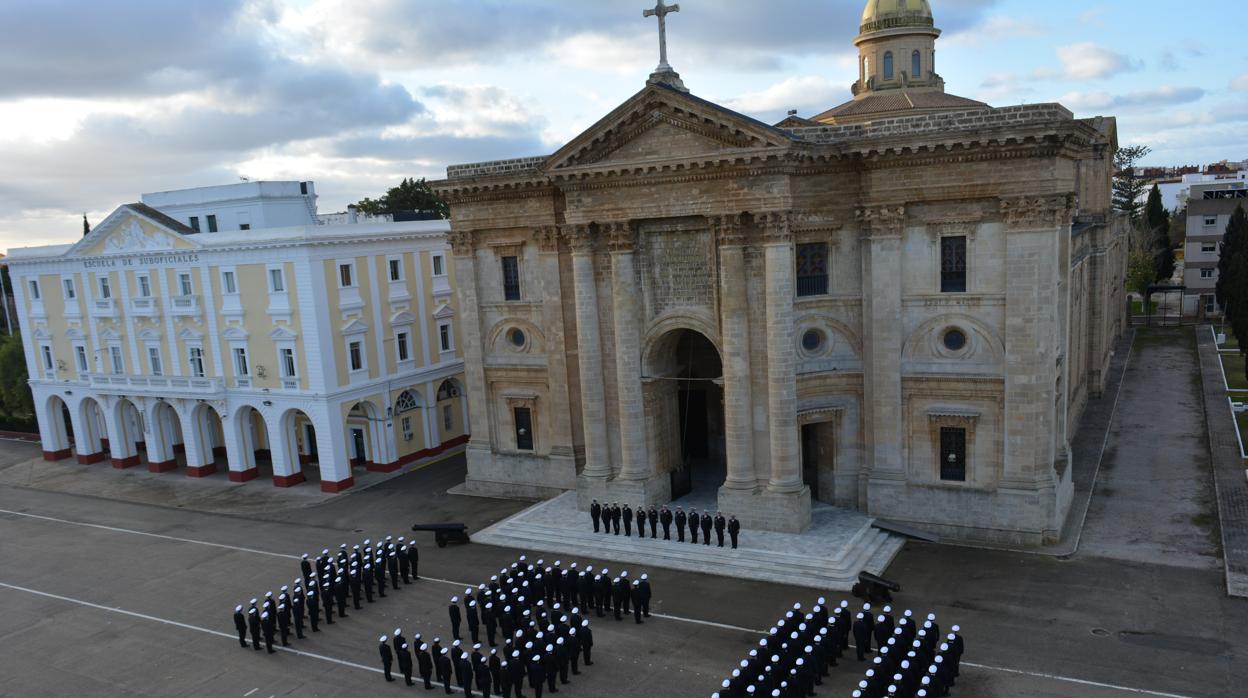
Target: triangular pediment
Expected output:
[402,318]
[283,334]
[355,326]
[190,334]
[110,335]
[444,312]
[659,123]
[235,333]
[134,229]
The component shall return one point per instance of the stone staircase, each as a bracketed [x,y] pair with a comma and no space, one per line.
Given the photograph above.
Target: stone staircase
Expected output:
[809,559]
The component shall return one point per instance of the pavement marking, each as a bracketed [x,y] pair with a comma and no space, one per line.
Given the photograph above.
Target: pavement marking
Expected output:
[257,688]
[187,626]
[1054,677]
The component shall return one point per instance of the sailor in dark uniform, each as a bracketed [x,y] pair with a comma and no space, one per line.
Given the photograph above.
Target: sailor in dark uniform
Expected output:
[595,511]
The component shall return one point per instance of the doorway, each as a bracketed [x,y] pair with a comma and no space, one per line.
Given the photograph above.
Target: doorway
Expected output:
[818,442]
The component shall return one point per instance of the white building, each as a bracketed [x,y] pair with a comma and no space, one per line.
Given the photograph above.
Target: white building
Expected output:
[291,352]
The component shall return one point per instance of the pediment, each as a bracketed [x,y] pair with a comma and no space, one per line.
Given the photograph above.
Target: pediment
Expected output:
[190,334]
[235,333]
[42,334]
[149,335]
[283,334]
[127,231]
[355,326]
[110,335]
[444,312]
[74,333]
[402,318]
[661,123]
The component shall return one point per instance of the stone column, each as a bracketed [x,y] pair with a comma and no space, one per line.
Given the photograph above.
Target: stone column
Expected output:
[786,471]
[734,309]
[881,230]
[589,352]
[635,460]
[198,453]
[557,411]
[470,332]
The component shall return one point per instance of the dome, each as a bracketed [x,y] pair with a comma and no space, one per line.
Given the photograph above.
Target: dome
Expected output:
[893,14]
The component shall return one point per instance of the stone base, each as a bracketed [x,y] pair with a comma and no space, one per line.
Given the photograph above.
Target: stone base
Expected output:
[57,455]
[1012,516]
[201,471]
[243,475]
[121,463]
[383,467]
[163,466]
[339,486]
[287,480]
[92,458]
[768,511]
[514,475]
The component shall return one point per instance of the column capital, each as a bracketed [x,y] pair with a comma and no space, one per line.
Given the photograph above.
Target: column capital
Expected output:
[547,238]
[727,229]
[621,237]
[775,226]
[1032,212]
[461,242]
[881,221]
[578,236]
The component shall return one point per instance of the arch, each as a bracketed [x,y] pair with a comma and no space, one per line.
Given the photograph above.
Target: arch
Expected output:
[984,351]
[125,439]
[365,437]
[165,427]
[673,322]
[916,65]
[90,436]
[888,65]
[409,401]
[451,423]
[56,432]
[683,397]
[535,339]
[210,435]
[297,435]
[253,436]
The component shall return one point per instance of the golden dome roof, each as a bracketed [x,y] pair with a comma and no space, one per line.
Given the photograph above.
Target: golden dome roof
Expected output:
[892,14]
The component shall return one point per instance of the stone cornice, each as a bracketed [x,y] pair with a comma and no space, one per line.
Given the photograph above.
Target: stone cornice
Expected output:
[1030,212]
[881,221]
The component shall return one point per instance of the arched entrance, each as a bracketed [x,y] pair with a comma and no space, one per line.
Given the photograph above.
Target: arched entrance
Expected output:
[685,405]
[210,435]
[166,430]
[254,437]
[298,437]
[126,439]
[59,435]
[92,441]
[363,445]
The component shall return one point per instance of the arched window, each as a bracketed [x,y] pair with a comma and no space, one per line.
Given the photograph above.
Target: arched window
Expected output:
[916,65]
[447,390]
[406,402]
[888,65]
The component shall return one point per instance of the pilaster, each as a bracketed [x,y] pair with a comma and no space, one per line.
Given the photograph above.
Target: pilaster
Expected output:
[589,353]
[734,319]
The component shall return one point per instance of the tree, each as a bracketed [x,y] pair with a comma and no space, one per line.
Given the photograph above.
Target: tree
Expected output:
[1157,222]
[16,402]
[1141,272]
[410,195]
[1233,240]
[1178,227]
[1127,188]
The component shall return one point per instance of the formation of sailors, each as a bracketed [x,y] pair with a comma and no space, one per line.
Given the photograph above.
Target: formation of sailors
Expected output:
[910,660]
[327,584]
[608,517]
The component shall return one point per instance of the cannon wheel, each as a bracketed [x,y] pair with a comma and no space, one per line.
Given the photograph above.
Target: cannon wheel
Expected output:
[441,539]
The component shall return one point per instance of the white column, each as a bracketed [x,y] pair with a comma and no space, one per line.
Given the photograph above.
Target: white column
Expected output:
[589,353]
[198,454]
[286,471]
[120,441]
[86,434]
[51,429]
[331,445]
[738,400]
[786,472]
[635,461]
[239,450]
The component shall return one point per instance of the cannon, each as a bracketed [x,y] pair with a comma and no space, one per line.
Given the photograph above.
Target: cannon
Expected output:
[445,532]
[875,589]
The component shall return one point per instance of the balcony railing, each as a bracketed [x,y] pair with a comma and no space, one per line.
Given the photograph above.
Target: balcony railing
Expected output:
[104,308]
[157,385]
[144,306]
[184,305]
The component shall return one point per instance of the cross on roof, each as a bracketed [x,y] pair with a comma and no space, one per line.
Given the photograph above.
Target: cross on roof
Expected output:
[661,11]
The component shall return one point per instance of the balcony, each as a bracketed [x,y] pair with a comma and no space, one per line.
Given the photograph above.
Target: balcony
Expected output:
[184,306]
[290,384]
[144,306]
[104,308]
[157,386]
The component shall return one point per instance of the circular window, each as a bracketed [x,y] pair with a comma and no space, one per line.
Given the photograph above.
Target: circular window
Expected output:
[516,337]
[955,340]
[812,340]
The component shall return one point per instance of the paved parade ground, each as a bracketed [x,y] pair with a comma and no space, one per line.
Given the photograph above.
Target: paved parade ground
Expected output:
[101,597]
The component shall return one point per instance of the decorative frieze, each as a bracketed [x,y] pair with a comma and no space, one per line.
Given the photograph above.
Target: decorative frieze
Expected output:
[775,227]
[578,236]
[727,230]
[621,237]
[547,238]
[1030,212]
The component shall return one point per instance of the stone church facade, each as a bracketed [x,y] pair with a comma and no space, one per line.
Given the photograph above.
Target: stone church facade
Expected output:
[899,306]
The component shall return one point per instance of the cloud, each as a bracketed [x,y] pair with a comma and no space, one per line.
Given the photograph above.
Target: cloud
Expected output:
[1089,61]
[1160,97]
[748,35]
[1240,83]
[995,29]
[806,94]
[1093,15]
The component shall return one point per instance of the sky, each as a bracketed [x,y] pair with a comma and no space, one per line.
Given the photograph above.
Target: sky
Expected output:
[102,101]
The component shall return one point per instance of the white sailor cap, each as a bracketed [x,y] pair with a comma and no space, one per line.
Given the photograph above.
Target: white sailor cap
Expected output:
[423,647]
[454,599]
[944,647]
[550,648]
[383,638]
[455,643]
[445,650]
[325,551]
[559,641]
[955,628]
[268,594]
[305,556]
[238,608]
[477,646]
[585,624]
[264,615]
[905,664]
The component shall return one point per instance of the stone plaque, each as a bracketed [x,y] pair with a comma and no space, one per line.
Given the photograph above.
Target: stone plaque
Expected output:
[678,270]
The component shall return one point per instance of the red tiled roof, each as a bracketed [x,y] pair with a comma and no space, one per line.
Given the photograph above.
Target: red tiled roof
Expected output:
[894,101]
